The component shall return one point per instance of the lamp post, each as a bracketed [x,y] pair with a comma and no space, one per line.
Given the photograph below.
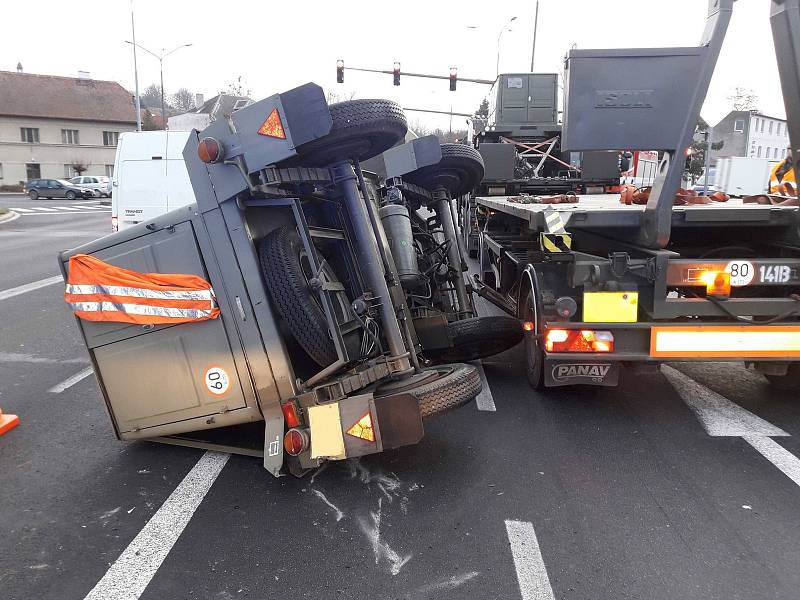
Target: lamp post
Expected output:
[136,74]
[160,58]
[500,35]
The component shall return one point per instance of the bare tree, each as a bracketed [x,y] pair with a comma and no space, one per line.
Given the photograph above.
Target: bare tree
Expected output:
[334,97]
[151,95]
[79,165]
[238,88]
[148,122]
[744,99]
[183,100]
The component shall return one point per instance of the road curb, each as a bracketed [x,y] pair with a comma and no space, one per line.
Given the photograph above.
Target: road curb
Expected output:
[9,216]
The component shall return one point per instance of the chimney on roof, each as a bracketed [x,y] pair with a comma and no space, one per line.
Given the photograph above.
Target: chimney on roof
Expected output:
[198,100]
[19,67]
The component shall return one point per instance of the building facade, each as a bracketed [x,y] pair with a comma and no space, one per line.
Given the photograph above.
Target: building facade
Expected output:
[51,125]
[752,134]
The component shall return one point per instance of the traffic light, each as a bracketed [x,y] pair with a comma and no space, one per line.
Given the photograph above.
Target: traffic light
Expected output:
[453,78]
[339,71]
[396,71]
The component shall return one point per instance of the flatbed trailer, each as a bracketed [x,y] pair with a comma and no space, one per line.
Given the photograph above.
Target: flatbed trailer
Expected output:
[616,302]
[599,284]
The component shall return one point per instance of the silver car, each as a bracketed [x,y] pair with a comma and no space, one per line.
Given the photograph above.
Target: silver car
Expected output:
[99,184]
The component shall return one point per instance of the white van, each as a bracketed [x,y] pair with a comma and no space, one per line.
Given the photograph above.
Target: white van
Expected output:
[150,177]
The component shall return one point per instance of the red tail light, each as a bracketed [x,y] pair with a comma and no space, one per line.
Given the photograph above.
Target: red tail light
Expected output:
[296,441]
[209,150]
[527,326]
[578,340]
[290,415]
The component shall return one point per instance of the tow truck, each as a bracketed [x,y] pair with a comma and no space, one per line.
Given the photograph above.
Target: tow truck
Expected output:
[600,284]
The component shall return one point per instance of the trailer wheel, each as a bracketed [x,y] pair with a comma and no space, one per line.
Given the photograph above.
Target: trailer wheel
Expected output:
[460,170]
[479,337]
[446,387]
[789,382]
[534,357]
[286,272]
[361,129]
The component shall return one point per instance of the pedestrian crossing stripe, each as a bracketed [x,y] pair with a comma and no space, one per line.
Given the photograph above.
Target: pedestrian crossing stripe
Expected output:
[555,242]
[553,221]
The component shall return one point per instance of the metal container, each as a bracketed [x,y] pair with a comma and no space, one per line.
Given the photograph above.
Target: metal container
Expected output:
[397,224]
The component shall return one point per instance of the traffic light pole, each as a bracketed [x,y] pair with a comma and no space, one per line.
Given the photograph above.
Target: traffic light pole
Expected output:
[425,75]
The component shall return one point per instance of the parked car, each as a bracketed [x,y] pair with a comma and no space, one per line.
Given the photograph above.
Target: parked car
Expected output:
[56,188]
[99,184]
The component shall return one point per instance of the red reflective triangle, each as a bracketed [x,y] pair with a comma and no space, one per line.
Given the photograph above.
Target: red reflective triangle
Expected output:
[273,127]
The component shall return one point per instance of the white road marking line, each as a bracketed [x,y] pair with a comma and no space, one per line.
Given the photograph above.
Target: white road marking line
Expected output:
[132,572]
[22,210]
[29,287]
[484,400]
[779,456]
[58,214]
[96,206]
[70,381]
[534,584]
[718,415]
[721,417]
[44,209]
[67,207]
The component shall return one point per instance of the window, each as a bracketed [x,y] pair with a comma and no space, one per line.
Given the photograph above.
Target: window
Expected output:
[241,103]
[778,128]
[771,123]
[110,138]
[758,152]
[69,136]
[761,130]
[33,171]
[738,125]
[1,170]
[109,170]
[69,172]
[29,135]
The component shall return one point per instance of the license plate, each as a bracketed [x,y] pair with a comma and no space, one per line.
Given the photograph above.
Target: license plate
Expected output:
[722,342]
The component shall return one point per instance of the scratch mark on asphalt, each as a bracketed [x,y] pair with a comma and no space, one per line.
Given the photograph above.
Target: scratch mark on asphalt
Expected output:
[321,496]
[449,583]
[381,548]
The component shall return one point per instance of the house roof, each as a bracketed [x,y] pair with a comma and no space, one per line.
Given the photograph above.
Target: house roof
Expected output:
[221,104]
[52,97]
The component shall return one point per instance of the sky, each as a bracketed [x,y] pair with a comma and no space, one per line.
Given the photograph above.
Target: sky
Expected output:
[275,46]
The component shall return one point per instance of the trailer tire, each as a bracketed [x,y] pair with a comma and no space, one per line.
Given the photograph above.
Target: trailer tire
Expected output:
[459,171]
[789,382]
[534,357]
[361,130]
[280,254]
[479,337]
[452,386]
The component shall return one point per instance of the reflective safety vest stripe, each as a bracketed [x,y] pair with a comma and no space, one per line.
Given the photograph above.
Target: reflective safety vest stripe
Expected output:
[98,291]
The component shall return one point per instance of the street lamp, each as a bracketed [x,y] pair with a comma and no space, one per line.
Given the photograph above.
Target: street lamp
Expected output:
[160,58]
[502,31]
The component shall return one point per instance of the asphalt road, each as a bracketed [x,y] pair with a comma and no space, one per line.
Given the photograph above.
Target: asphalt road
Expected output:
[580,494]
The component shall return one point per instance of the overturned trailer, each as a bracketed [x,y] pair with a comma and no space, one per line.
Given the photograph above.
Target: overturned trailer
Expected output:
[339,315]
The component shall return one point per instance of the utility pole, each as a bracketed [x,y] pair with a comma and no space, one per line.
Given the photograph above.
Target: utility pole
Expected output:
[535,26]
[136,74]
[708,160]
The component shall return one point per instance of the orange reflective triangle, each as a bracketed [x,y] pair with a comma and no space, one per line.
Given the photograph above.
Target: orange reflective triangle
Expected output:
[273,127]
[362,429]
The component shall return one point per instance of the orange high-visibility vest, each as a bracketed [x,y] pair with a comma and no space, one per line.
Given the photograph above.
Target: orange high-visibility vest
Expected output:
[98,291]
[784,184]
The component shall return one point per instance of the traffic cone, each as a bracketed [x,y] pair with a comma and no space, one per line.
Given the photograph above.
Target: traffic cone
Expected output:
[7,422]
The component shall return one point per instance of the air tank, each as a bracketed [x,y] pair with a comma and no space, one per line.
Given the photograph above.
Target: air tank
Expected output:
[397,225]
